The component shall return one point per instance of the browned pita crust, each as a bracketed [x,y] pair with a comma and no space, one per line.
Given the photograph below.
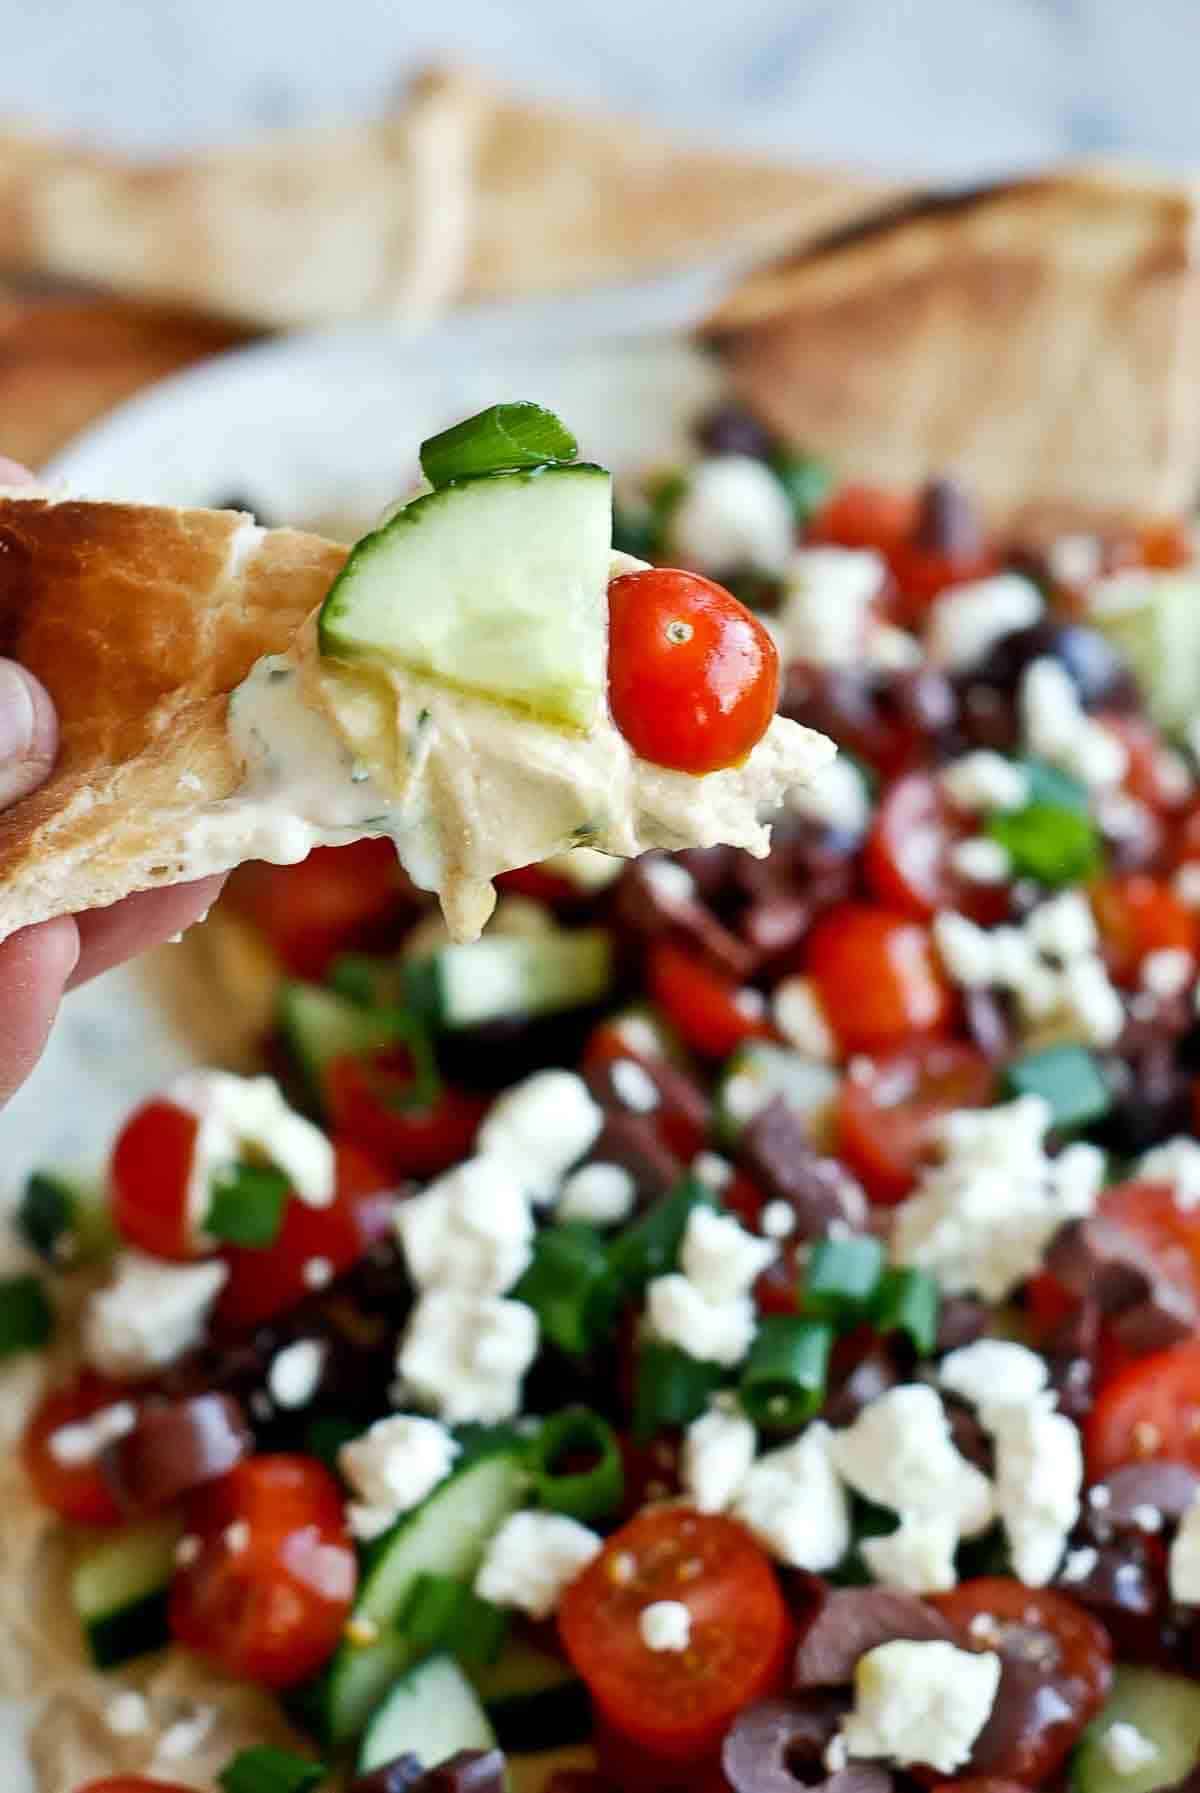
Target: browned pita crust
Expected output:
[1039,340]
[139,620]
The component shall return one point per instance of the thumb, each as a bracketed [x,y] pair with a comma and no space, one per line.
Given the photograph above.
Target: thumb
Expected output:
[28,733]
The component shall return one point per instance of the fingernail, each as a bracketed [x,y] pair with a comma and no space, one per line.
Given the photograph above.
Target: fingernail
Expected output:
[27,733]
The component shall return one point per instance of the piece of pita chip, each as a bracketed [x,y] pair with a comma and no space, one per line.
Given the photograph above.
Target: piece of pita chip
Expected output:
[1039,341]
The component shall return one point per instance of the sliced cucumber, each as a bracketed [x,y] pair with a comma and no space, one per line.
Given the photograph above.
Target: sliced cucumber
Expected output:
[320,1026]
[447,1535]
[64,1218]
[534,1701]
[1155,621]
[431,1713]
[757,1073]
[496,585]
[502,976]
[119,1589]
[1165,1710]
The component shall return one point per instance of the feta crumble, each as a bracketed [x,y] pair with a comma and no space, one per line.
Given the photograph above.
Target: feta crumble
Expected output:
[1176,1161]
[827,605]
[993,1370]
[465,1356]
[598,1194]
[802,1021]
[149,1314]
[665,1625]
[921,1703]
[1039,1475]
[794,1503]
[982,781]
[391,1468]
[295,1373]
[718,1451]
[532,1561]
[900,1454]
[542,1126]
[471,1229]
[1183,1560]
[918,1556]
[734,515]
[967,621]
[1057,728]
[836,796]
[247,1118]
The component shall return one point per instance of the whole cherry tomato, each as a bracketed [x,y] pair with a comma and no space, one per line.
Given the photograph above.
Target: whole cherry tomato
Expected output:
[877,976]
[373,1102]
[862,516]
[312,1246]
[1138,915]
[693,676]
[676,1704]
[148,1181]
[267,1594]
[888,1110]
[907,858]
[1150,1409]
[1056,1670]
[337,900]
[73,1488]
[710,1012]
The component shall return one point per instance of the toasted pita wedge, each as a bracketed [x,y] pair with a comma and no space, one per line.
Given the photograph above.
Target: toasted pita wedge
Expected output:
[1041,341]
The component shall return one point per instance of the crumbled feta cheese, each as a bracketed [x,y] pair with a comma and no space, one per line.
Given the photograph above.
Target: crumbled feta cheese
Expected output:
[1183,1560]
[835,797]
[981,861]
[794,1503]
[827,602]
[993,1370]
[801,1019]
[599,1194]
[669,880]
[1146,1518]
[893,649]
[1091,1000]
[718,1450]
[1167,972]
[542,1126]
[127,1714]
[900,1454]
[965,950]
[778,1220]
[633,1086]
[713,1331]
[1126,1749]
[83,1440]
[713,1171]
[665,1625]
[1176,1161]
[983,780]
[720,1257]
[1077,1565]
[464,1356]
[1056,728]
[967,621]
[317,1273]
[1063,927]
[918,1556]
[532,1561]
[1075,559]
[295,1373]
[472,1229]
[1039,1474]
[184,1737]
[149,1314]
[734,515]
[391,1468]
[1186,883]
[247,1118]
[921,1703]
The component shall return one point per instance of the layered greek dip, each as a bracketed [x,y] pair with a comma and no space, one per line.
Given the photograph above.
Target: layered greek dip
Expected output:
[735,1326]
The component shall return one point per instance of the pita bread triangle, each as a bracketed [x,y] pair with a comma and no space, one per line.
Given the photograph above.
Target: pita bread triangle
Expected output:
[1038,340]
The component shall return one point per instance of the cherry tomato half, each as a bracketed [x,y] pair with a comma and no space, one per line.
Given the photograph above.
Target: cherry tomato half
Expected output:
[336,900]
[677,1704]
[710,1012]
[133,1783]
[75,1491]
[1056,1670]
[907,860]
[370,1102]
[888,1110]
[693,677]
[922,573]
[862,516]
[877,976]
[148,1181]
[269,1591]
[1138,915]
[1150,1409]
[312,1246]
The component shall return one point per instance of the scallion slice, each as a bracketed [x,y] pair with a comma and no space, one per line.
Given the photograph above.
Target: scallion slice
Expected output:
[502,439]
[264,1769]
[908,1301]
[783,1383]
[1047,784]
[26,1318]
[1049,842]
[841,1277]
[651,1246]
[248,1201]
[1069,1078]
[589,1493]
[806,480]
[672,1389]
[570,1286]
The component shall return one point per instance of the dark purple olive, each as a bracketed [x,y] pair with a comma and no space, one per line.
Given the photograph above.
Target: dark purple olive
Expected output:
[961,1321]
[855,1620]
[948,521]
[1151,1099]
[778,1746]
[175,1446]
[728,428]
[1097,670]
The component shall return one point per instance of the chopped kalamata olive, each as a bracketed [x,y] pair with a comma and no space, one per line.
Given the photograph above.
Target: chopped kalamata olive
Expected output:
[728,428]
[470,1771]
[1029,1704]
[779,1745]
[854,1620]
[175,1446]
[656,897]
[403,1775]
[893,719]
[634,1142]
[776,1152]
[970,1439]
[961,1320]
[948,521]
[680,1101]
[1070,1352]
[863,1367]
[1099,674]
[1112,1578]
[1097,1260]
[1151,1098]
[1160,1486]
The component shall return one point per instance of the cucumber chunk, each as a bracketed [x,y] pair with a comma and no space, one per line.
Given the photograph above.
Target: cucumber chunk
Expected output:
[496,585]
[319,1027]
[1158,631]
[119,1589]
[431,1713]
[1165,1710]
[534,1700]
[508,975]
[64,1218]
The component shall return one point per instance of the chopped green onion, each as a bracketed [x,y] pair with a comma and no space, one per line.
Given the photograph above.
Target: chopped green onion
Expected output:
[1048,842]
[594,1492]
[1046,784]
[479,1632]
[444,1614]
[368,983]
[806,480]
[570,1286]
[672,1389]
[26,1318]
[264,1769]
[841,1277]
[248,1202]
[1069,1078]
[783,1383]
[908,1301]
[502,439]
[64,1221]
[651,1246]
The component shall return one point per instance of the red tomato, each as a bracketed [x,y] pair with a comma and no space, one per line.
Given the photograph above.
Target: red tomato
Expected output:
[887,1112]
[1045,1643]
[313,1245]
[922,574]
[861,516]
[133,1783]
[1138,915]
[1165,544]
[1144,776]
[338,899]
[148,1180]
[269,1592]
[710,1013]
[542,885]
[76,1491]
[693,677]
[368,1101]
[906,859]
[677,1704]
[1150,1409]
[877,976]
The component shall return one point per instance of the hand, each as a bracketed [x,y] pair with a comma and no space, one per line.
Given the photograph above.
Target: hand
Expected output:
[39,965]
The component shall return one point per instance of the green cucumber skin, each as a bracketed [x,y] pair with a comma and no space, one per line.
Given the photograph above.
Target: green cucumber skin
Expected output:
[1165,1709]
[137,1630]
[120,1591]
[320,1026]
[500,976]
[415,1711]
